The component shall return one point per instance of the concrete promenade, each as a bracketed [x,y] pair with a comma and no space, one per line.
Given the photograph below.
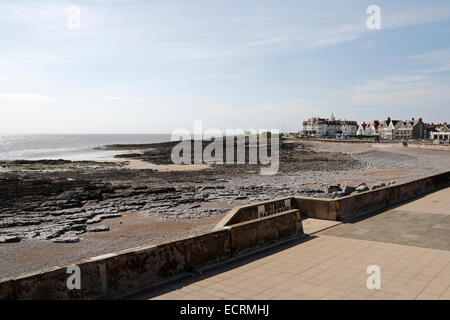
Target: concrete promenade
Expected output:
[410,243]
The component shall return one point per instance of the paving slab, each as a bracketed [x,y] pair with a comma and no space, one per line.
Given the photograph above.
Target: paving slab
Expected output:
[409,244]
[424,222]
[311,225]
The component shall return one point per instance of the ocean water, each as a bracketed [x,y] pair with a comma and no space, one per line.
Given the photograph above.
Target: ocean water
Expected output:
[69,146]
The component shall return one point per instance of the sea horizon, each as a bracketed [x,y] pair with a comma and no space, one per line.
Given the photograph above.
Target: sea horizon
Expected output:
[69,146]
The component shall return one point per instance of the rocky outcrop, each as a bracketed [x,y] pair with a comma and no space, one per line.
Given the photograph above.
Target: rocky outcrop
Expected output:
[378,185]
[98,229]
[15,186]
[9,239]
[67,239]
[362,187]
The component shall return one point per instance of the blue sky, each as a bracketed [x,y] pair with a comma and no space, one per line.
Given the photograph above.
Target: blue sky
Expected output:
[154,66]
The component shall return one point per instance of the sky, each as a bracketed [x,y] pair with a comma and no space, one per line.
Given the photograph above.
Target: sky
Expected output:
[155,66]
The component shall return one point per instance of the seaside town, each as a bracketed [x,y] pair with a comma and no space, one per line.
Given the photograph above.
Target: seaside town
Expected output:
[412,129]
[234,151]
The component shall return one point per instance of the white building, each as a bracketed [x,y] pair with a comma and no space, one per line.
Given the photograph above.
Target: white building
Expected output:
[388,129]
[320,127]
[443,133]
[368,129]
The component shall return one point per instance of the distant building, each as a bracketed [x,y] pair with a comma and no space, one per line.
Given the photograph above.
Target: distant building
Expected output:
[412,129]
[368,129]
[420,130]
[403,130]
[388,129]
[440,132]
[315,127]
[348,128]
[320,127]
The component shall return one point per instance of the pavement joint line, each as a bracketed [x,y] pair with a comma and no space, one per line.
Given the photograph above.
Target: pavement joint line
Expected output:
[432,278]
[154,286]
[326,228]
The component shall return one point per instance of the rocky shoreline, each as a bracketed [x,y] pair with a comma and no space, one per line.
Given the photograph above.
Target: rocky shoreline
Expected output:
[60,205]
[72,208]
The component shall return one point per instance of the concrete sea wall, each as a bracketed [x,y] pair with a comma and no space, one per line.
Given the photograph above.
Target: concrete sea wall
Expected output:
[344,208]
[257,210]
[352,206]
[126,272]
[252,234]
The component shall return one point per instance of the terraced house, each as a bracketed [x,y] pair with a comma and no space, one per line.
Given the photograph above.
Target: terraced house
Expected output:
[368,129]
[388,129]
[412,129]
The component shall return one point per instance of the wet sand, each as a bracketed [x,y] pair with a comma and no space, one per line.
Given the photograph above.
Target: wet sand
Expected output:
[129,231]
[143,165]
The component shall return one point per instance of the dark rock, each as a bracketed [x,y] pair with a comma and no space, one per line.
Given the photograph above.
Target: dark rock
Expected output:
[108,187]
[338,194]
[333,188]
[78,227]
[96,219]
[10,239]
[349,190]
[362,187]
[71,239]
[162,190]
[98,229]
[109,216]
[378,185]
[77,220]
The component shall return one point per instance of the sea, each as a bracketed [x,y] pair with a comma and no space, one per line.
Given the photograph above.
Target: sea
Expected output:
[69,146]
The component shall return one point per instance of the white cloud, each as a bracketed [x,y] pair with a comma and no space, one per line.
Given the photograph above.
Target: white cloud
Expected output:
[437,61]
[280,40]
[335,36]
[30,57]
[24,97]
[45,18]
[223,76]
[419,88]
[399,18]
[334,40]
[113,98]
[414,15]
[403,91]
